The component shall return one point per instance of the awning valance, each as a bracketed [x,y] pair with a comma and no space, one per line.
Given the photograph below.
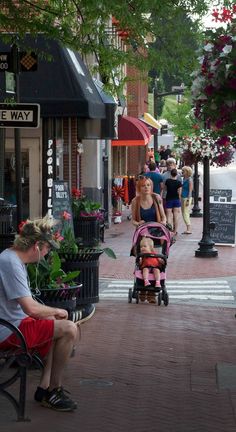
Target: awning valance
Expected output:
[149,120]
[131,132]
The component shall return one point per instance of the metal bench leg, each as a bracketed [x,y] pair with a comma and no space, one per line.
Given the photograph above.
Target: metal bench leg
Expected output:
[22,395]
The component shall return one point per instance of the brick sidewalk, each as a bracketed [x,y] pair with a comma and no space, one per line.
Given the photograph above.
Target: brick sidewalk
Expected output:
[182,262]
[144,368]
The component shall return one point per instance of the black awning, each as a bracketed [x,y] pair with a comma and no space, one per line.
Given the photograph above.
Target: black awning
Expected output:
[62,86]
[108,127]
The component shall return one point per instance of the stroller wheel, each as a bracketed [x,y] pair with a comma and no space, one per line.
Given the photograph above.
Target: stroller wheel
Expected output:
[159,299]
[130,296]
[166,299]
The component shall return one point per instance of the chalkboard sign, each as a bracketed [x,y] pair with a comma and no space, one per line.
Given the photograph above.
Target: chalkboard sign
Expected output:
[61,200]
[221,193]
[223,214]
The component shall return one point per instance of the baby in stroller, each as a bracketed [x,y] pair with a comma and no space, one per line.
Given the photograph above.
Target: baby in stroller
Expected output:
[149,263]
[151,243]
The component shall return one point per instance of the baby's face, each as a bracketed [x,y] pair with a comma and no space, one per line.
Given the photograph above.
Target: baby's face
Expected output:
[145,248]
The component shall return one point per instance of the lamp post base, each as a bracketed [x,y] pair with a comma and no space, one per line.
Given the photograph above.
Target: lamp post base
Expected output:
[206,249]
[196,212]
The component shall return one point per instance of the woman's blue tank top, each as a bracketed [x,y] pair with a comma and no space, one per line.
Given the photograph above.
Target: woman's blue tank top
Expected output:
[148,215]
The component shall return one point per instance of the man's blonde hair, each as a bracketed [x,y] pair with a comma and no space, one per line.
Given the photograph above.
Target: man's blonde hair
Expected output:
[32,231]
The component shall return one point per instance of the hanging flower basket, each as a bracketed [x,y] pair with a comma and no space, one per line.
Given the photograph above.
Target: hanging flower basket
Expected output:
[218,149]
[214,85]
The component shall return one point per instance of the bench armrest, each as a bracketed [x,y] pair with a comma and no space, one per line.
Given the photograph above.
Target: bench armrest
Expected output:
[17,332]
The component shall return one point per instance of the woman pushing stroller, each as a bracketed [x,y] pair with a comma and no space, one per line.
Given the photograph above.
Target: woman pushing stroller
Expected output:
[147,206]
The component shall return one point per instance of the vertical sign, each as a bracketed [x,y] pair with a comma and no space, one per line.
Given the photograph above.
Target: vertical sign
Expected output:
[49,162]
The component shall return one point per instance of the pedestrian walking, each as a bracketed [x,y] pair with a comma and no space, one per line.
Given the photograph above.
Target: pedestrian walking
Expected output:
[173,188]
[156,178]
[170,164]
[186,197]
[146,206]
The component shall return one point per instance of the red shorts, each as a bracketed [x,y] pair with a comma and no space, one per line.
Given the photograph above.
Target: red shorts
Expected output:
[38,334]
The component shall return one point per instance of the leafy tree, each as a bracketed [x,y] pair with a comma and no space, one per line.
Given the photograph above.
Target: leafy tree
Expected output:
[181,117]
[83,26]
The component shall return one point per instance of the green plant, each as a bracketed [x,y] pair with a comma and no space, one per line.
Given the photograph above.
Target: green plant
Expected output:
[67,242]
[84,206]
[47,273]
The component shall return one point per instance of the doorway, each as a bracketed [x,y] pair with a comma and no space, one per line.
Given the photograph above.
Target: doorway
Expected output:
[30,176]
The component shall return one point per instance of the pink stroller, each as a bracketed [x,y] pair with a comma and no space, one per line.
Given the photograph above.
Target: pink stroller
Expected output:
[162,239]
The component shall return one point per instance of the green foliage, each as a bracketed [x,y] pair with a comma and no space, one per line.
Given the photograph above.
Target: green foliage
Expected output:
[68,243]
[180,116]
[155,34]
[109,252]
[47,273]
[84,205]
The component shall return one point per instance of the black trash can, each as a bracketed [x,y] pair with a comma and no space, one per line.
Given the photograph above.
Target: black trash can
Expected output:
[7,224]
[87,230]
[87,261]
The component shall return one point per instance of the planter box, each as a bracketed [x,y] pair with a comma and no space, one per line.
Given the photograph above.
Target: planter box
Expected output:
[64,298]
[87,229]
[87,262]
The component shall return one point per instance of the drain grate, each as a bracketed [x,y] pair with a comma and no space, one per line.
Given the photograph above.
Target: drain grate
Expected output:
[226,376]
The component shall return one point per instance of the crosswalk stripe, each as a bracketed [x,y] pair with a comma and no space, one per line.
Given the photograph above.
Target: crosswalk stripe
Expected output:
[218,290]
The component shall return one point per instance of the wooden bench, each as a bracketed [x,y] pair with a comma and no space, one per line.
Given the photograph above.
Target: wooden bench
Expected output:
[21,358]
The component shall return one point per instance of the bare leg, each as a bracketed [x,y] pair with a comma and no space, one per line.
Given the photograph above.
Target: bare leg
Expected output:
[46,375]
[169,216]
[176,212]
[145,273]
[65,333]
[157,276]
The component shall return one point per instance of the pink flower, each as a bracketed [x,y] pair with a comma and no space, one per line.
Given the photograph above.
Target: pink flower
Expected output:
[21,225]
[66,215]
[58,236]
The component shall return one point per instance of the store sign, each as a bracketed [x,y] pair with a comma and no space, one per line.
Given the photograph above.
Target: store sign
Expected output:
[49,175]
[5,61]
[19,115]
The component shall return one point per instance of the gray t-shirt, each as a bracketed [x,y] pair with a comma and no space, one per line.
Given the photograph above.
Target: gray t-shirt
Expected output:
[13,285]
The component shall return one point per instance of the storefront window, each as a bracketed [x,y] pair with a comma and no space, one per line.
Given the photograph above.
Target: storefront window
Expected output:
[10,180]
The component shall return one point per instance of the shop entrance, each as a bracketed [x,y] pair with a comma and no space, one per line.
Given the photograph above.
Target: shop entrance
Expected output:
[30,176]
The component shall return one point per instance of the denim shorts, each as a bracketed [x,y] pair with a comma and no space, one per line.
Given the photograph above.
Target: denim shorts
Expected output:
[174,203]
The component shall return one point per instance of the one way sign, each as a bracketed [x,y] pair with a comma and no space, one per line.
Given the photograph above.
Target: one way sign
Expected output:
[19,115]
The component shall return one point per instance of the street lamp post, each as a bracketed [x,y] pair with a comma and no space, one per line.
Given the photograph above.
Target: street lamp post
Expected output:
[206,244]
[155,136]
[196,211]
[156,95]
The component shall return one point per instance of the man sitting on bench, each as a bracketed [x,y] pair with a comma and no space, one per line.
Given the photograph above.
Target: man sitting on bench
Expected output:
[47,330]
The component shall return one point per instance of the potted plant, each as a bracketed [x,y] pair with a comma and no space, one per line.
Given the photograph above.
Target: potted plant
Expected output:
[74,256]
[87,218]
[52,285]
